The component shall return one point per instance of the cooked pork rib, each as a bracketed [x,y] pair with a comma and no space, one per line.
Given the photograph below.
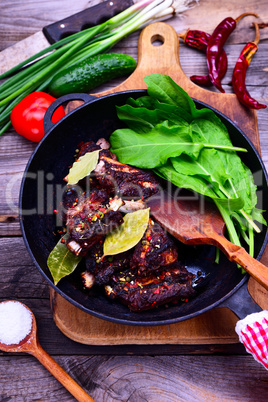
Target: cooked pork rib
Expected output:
[101,145]
[156,249]
[144,277]
[134,185]
[173,283]
[127,181]
[90,220]
[103,269]
[117,177]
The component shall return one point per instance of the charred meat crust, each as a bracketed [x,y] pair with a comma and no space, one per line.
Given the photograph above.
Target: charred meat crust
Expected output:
[162,278]
[145,277]
[90,220]
[172,284]
[128,182]
[103,268]
[102,145]
[118,178]
[156,249]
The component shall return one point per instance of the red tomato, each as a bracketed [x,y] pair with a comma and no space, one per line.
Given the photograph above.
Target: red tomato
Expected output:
[27,117]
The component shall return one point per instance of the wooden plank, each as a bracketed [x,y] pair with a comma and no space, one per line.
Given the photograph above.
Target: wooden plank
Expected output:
[198,330]
[216,326]
[133,378]
[18,272]
[123,378]
[12,164]
[20,280]
[31,17]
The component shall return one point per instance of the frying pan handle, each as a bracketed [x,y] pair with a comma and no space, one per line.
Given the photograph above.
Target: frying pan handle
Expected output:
[241,303]
[60,102]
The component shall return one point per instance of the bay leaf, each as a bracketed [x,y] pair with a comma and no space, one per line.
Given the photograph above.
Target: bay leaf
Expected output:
[61,261]
[83,167]
[128,234]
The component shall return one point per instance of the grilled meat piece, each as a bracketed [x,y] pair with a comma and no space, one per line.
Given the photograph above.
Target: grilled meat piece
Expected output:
[156,249]
[70,198]
[174,283]
[103,269]
[91,146]
[132,184]
[127,181]
[90,220]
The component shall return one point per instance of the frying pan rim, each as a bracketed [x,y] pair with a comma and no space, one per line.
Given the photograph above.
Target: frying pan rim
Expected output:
[101,315]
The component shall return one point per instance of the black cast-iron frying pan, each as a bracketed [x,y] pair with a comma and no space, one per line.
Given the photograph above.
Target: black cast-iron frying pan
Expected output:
[43,182]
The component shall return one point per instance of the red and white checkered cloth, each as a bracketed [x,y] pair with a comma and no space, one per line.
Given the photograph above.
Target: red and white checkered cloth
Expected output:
[253,333]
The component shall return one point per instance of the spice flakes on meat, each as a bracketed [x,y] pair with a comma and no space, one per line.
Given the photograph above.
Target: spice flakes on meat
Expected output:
[148,275]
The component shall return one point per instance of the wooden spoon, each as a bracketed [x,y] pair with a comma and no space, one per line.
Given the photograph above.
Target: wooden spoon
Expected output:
[30,344]
[199,222]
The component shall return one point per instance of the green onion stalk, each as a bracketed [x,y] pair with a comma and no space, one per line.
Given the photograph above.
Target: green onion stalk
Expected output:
[35,73]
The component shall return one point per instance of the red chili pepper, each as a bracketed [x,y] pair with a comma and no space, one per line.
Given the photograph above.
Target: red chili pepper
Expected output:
[240,71]
[199,40]
[205,79]
[27,117]
[215,45]
[196,39]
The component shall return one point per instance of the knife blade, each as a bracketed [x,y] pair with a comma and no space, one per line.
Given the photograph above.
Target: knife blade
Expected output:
[91,16]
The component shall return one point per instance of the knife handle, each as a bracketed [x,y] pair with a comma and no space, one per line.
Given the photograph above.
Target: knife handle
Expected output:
[85,19]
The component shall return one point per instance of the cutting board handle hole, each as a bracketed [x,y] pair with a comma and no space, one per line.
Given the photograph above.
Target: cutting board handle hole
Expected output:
[157,40]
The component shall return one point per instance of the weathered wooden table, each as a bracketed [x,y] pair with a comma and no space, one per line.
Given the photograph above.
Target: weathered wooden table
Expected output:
[183,372]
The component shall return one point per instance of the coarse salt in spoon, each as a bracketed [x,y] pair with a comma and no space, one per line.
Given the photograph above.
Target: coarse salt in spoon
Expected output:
[18,333]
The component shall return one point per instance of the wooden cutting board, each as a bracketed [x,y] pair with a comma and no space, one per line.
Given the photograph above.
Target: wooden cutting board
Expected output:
[158,52]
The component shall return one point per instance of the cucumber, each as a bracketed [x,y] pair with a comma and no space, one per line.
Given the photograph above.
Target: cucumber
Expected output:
[88,74]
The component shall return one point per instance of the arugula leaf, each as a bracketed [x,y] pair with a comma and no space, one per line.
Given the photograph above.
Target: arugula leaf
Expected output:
[195,183]
[164,89]
[212,131]
[128,234]
[61,261]
[142,119]
[238,184]
[153,148]
[207,165]
[83,167]
[161,127]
